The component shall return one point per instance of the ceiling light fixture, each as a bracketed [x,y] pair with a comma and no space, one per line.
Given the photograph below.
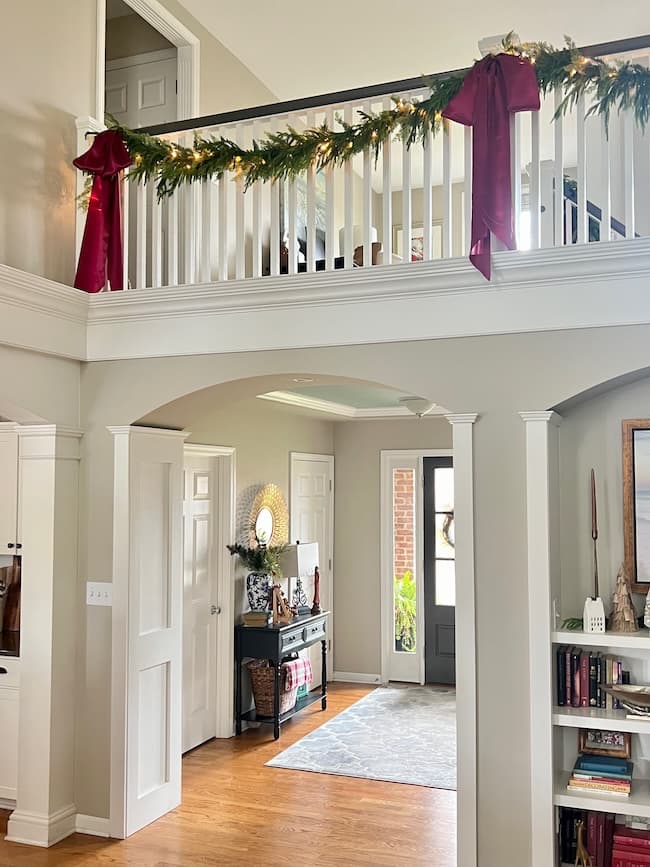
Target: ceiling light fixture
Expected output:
[419,406]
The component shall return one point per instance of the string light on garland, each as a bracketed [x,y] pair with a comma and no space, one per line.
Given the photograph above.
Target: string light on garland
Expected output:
[611,87]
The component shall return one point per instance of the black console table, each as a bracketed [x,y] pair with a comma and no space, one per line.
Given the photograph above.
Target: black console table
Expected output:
[274,643]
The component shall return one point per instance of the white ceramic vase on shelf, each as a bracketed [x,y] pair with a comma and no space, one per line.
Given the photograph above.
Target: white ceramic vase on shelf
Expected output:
[258,590]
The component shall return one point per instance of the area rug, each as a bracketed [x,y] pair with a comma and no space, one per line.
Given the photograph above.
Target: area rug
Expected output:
[398,734]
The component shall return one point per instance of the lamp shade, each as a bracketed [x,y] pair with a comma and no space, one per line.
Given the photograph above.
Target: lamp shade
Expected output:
[300,560]
[357,237]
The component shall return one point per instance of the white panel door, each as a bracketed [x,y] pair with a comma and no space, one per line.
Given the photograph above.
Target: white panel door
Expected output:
[147,615]
[312,520]
[199,602]
[142,93]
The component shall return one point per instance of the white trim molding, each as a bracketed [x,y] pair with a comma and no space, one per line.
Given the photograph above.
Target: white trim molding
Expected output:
[542,496]
[356,677]
[41,829]
[95,826]
[343,410]
[466,734]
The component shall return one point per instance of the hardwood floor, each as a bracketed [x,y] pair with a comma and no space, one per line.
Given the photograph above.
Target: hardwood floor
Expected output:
[235,811]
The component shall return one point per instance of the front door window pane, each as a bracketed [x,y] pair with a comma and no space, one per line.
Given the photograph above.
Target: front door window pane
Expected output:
[445,535]
[404,599]
[445,582]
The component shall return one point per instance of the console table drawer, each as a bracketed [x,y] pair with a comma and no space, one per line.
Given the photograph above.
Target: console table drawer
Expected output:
[292,640]
[314,630]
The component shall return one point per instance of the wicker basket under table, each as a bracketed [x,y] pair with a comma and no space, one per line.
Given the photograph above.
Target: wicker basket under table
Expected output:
[263,680]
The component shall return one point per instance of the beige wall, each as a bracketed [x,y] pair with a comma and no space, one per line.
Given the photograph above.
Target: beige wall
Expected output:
[357,576]
[38,388]
[129,34]
[496,376]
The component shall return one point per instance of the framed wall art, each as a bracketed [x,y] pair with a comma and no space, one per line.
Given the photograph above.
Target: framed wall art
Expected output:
[636,502]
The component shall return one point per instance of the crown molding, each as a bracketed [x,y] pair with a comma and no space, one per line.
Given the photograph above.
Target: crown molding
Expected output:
[343,410]
[547,416]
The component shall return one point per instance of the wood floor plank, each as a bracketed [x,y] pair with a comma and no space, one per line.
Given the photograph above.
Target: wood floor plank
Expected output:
[236,811]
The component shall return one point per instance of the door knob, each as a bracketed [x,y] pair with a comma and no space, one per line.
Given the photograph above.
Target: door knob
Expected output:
[214,609]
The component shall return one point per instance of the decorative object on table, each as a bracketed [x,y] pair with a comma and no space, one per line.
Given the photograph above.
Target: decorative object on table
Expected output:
[298,563]
[623,616]
[269,518]
[633,697]
[280,606]
[257,618]
[101,248]
[264,563]
[263,679]
[315,608]
[598,742]
[594,611]
[583,858]
[636,502]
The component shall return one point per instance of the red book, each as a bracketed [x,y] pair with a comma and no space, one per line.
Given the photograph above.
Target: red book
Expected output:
[629,858]
[610,819]
[599,860]
[584,679]
[592,836]
[631,837]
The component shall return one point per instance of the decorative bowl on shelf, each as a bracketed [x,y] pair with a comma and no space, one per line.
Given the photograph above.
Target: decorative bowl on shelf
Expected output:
[632,696]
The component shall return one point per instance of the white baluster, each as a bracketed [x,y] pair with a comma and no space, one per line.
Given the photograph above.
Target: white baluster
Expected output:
[206,231]
[311,206]
[558,172]
[581,172]
[427,198]
[467,189]
[172,239]
[407,204]
[606,184]
[141,236]
[515,172]
[330,239]
[275,239]
[348,219]
[367,200]
[292,212]
[189,234]
[447,211]
[156,239]
[222,239]
[535,183]
[257,215]
[628,169]
[240,214]
[387,198]
[124,186]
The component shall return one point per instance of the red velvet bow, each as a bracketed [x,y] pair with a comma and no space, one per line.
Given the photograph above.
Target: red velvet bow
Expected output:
[495,87]
[102,240]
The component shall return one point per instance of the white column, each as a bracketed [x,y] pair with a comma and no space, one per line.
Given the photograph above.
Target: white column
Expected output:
[466,827]
[48,496]
[542,475]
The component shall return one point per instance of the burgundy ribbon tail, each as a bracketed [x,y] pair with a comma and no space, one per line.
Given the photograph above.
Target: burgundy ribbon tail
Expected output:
[495,87]
[101,248]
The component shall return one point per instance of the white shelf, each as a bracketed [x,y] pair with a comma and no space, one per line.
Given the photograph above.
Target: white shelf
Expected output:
[638,803]
[599,718]
[640,639]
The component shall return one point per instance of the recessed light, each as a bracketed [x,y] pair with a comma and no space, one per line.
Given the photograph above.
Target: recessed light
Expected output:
[302,379]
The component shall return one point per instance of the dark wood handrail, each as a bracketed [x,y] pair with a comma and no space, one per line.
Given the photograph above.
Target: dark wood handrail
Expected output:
[601,49]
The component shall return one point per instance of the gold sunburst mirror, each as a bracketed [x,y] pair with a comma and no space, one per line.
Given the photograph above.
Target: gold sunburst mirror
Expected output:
[269,517]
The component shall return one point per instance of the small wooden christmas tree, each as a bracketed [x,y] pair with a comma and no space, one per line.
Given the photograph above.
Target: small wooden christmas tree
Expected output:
[623,617]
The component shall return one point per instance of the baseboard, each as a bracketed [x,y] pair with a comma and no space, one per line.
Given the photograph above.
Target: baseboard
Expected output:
[7,803]
[38,829]
[356,677]
[93,825]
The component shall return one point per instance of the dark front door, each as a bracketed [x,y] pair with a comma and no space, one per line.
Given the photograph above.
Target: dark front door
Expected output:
[439,571]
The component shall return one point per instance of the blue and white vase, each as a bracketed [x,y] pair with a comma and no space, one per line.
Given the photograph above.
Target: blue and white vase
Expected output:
[258,590]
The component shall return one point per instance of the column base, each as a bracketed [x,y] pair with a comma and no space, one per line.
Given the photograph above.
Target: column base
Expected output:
[38,829]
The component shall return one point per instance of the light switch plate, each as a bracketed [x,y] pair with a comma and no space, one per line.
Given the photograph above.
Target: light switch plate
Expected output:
[99,593]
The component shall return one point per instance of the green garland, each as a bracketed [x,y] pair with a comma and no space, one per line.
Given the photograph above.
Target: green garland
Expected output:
[285,154]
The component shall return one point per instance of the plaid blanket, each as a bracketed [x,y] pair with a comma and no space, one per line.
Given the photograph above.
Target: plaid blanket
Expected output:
[297,672]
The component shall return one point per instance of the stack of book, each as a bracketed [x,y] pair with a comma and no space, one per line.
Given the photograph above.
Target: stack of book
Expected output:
[631,847]
[580,676]
[604,774]
[256,618]
[599,835]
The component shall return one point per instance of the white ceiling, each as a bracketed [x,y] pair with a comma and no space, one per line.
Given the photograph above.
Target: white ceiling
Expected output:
[305,49]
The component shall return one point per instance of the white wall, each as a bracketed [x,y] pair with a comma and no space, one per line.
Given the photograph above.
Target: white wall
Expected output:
[357,574]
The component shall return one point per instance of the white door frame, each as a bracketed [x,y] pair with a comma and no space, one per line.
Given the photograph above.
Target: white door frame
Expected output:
[329,600]
[387,576]
[188,45]
[466,740]
[224,533]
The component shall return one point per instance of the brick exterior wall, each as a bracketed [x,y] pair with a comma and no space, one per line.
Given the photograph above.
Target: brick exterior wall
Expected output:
[403,521]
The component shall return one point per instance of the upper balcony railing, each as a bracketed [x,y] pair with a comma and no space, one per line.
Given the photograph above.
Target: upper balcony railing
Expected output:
[573,182]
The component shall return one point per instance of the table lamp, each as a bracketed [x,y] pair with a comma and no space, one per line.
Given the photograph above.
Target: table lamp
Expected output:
[298,562]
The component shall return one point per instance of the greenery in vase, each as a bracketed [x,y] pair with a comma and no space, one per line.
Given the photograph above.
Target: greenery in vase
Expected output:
[260,558]
[572,623]
[405,611]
